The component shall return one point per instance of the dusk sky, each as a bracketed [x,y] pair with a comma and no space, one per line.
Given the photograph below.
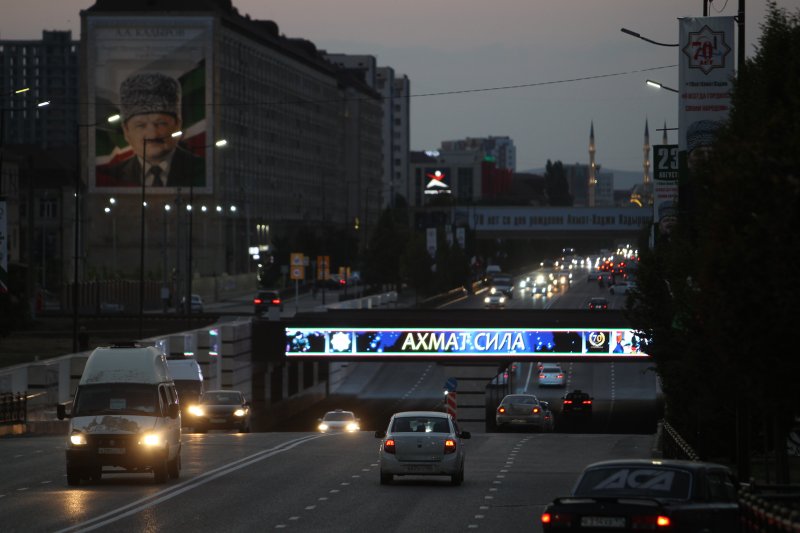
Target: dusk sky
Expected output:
[461,45]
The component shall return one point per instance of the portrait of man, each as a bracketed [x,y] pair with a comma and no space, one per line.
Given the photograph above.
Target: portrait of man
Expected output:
[150,109]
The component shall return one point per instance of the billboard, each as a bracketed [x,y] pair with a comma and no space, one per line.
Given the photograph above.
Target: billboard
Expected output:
[156,73]
[706,73]
[458,344]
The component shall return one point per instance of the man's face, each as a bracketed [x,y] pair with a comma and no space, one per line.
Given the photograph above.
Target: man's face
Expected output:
[157,128]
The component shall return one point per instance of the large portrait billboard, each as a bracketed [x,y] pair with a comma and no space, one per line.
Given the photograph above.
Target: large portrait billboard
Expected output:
[155,73]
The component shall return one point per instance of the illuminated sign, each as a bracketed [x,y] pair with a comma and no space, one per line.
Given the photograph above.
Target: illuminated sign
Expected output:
[436,185]
[454,343]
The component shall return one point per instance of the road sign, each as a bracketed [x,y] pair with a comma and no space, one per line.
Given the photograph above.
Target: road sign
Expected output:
[296,259]
[297,272]
[451,384]
[452,405]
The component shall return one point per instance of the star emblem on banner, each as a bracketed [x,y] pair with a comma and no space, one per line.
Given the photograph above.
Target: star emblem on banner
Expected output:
[706,49]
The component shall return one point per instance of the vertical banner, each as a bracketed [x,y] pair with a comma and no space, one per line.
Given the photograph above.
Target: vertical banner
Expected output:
[430,234]
[155,72]
[665,187]
[3,248]
[706,73]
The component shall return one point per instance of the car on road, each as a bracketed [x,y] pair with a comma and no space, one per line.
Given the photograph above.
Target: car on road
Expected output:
[266,300]
[598,304]
[495,299]
[576,403]
[221,409]
[623,287]
[551,375]
[196,304]
[520,411]
[422,443]
[503,283]
[338,420]
[648,495]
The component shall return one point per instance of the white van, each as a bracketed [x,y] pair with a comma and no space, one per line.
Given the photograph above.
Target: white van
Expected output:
[125,415]
[188,378]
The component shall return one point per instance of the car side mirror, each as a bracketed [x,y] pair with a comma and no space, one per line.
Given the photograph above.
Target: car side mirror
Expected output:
[61,411]
[466,435]
[379,434]
[174,410]
[246,404]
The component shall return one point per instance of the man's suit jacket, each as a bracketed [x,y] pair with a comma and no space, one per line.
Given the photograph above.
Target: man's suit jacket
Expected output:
[185,169]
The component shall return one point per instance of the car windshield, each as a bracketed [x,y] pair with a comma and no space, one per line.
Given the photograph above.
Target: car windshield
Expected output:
[117,399]
[597,301]
[646,481]
[420,424]
[520,399]
[338,417]
[550,369]
[221,398]
[188,390]
[501,279]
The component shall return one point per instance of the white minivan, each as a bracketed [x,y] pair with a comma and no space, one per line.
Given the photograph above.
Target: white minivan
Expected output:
[125,416]
[188,378]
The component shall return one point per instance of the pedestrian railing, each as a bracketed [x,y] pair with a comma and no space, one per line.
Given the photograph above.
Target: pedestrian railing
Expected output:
[763,508]
[13,408]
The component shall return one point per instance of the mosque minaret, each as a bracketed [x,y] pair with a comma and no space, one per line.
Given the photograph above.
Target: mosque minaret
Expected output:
[592,166]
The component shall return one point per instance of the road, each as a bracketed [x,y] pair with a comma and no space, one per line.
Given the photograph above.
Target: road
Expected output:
[299,480]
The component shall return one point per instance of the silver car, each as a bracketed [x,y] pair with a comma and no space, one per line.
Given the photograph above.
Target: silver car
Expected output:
[520,410]
[338,420]
[422,443]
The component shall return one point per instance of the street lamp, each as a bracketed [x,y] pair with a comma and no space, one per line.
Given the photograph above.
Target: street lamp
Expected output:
[145,140]
[190,209]
[109,210]
[76,249]
[658,85]
[638,36]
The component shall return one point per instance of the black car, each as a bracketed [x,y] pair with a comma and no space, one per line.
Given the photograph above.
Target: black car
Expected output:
[220,409]
[265,300]
[598,304]
[577,403]
[648,495]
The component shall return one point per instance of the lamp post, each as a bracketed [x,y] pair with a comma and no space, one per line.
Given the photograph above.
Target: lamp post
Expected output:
[638,36]
[658,85]
[190,209]
[76,252]
[109,210]
[145,140]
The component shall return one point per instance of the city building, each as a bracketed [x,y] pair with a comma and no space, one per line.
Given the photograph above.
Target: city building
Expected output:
[499,149]
[49,69]
[303,139]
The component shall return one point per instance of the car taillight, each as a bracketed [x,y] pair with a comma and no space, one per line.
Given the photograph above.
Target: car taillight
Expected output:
[561,376]
[449,446]
[276,301]
[535,410]
[501,409]
[258,301]
[650,522]
[566,402]
[587,402]
[388,446]
[557,519]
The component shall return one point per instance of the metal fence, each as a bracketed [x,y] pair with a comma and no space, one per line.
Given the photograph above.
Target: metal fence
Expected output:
[763,508]
[13,408]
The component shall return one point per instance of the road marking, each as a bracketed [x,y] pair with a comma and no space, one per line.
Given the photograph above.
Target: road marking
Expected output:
[294,518]
[310,507]
[185,486]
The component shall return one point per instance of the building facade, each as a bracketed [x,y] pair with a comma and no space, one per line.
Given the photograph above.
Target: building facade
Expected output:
[301,135]
[500,149]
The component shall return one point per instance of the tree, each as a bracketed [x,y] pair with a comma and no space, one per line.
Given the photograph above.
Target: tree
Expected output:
[386,243]
[717,298]
[415,264]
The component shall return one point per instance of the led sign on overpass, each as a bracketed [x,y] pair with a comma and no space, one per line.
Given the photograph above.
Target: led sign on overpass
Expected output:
[518,344]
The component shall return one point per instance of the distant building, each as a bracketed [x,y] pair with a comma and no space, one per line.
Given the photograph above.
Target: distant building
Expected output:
[499,149]
[50,69]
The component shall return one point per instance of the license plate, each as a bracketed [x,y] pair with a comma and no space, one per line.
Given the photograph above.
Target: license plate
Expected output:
[518,421]
[217,420]
[602,521]
[419,468]
[111,451]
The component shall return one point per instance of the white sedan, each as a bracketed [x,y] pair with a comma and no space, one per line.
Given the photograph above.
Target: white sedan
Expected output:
[422,443]
[551,376]
[622,288]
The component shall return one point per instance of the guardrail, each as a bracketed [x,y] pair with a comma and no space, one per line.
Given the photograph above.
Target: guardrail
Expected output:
[13,408]
[763,508]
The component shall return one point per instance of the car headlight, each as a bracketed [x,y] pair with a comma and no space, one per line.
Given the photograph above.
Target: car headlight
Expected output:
[502,299]
[323,427]
[151,440]
[352,426]
[196,410]
[239,412]
[77,439]
[486,300]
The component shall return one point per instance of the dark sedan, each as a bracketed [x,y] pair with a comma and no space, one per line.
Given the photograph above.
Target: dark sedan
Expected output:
[265,300]
[648,495]
[220,409]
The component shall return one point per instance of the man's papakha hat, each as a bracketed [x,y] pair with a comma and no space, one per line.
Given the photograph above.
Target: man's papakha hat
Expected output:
[149,93]
[701,133]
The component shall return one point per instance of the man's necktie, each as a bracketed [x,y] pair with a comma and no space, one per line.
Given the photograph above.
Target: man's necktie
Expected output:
[156,172]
